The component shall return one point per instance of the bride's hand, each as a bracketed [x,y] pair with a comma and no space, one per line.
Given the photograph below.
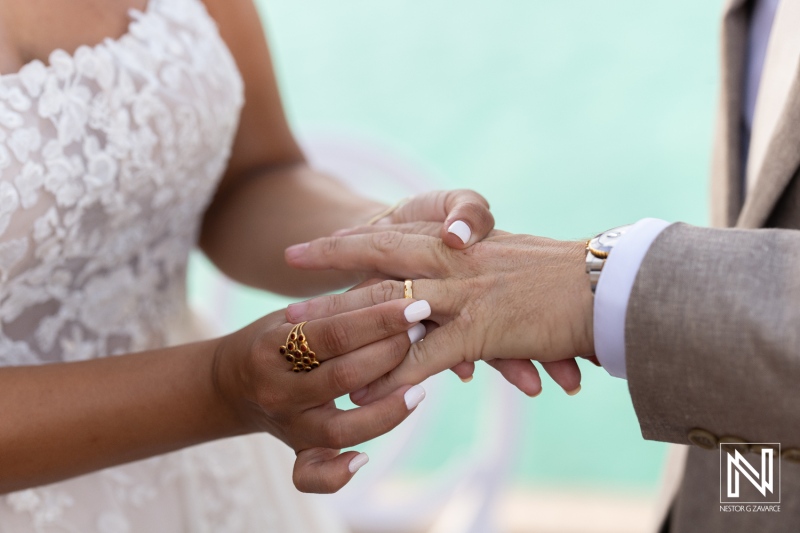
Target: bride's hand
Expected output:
[354,349]
[509,298]
[459,217]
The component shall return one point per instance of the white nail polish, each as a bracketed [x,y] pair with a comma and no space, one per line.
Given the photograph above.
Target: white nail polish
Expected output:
[418,311]
[460,229]
[357,462]
[417,333]
[414,396]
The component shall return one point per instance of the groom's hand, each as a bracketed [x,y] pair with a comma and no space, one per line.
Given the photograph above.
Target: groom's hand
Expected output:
[510,297]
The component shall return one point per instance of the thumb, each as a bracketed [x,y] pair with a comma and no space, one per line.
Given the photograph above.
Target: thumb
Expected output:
[325,471]
[464,214]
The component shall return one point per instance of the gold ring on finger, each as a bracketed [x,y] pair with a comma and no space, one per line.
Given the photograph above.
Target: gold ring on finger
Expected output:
[298,352]
[408,291]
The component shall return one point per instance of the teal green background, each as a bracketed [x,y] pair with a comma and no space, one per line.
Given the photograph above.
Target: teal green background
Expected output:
[569,116]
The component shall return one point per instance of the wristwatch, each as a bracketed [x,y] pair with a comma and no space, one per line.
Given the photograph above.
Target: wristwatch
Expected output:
[598,250]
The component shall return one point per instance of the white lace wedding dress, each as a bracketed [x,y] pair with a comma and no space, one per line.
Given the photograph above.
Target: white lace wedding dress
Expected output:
[108,158]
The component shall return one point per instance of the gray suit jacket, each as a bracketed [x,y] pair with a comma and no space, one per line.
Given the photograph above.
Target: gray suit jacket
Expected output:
[713,323]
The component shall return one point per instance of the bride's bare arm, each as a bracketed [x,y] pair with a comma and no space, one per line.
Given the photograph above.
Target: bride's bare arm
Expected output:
[62,420]
[270,198]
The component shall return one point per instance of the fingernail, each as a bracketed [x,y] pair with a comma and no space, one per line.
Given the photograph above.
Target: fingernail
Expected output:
[535,395]
[357,395]
[460,229]
[418,311]
[574,392]
[297,311]
[417,333]
[414,396]
[357,462]
[296,251]
[467,379]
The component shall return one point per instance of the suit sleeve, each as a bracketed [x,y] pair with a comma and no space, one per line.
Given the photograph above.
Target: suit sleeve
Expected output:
[712,335]
[614,290]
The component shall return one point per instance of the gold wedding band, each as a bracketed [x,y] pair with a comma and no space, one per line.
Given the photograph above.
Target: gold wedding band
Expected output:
[386,212]
[408,291]
[297,351]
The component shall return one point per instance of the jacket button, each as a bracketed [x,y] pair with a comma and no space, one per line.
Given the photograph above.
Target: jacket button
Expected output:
[756,448]
[735,443]
[702,438]
[791,454]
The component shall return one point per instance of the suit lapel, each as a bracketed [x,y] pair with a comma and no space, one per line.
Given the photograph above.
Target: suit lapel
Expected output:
[775,145]
[727,172]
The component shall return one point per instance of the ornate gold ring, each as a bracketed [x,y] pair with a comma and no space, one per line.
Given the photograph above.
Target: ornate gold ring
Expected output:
[297,351]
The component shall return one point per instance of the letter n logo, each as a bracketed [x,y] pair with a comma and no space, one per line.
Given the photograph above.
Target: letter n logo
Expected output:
[763,479]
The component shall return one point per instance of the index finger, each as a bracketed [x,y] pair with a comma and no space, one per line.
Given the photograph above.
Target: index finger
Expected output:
[391,253]
[343,333]
[370,295]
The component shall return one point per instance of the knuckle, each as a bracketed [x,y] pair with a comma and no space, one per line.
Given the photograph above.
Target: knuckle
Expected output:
[487,218]
[442,261]
[417,356]
[344,377]
[467,315]
[387,242]
[474,345]
[336,338]
[448,201]
[391,416]
[386,322]
[330,246]
[383,386]
[384,291]
[451,196]
[385,419]
[477,197]
[398,347]
[328,306]
[334,434]
[393,351]
[479,214]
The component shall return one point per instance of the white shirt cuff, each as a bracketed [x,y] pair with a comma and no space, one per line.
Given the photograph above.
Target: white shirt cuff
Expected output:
[614,290]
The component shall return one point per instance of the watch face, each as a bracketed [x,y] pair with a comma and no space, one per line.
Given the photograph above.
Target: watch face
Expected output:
[606,241]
